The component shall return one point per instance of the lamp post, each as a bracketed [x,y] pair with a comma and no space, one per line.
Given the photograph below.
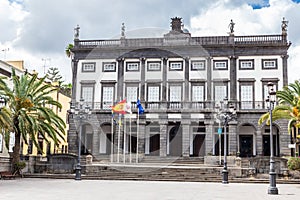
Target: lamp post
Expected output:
[79,113]
[225,115]
[270,104]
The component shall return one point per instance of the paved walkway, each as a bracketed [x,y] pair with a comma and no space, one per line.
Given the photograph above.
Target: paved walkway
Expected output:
[68,189]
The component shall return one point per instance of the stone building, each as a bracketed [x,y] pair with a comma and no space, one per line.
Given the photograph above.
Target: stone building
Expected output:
[180,80]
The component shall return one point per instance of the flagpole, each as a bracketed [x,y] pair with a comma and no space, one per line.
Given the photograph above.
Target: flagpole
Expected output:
[119,134]
[137,138]
[112,138]
[124,142]
[130,139]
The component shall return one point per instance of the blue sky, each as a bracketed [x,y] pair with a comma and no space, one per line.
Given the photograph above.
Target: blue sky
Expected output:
[36,30]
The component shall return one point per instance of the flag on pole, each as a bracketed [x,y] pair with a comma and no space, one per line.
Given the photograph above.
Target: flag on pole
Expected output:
[140,107]
[120,107]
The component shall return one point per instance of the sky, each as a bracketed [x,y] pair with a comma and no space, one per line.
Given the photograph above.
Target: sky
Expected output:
[37,31]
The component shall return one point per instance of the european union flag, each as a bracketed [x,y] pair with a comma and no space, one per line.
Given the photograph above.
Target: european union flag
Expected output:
[139,107]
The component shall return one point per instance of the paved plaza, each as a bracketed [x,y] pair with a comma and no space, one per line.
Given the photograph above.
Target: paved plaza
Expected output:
[68,189]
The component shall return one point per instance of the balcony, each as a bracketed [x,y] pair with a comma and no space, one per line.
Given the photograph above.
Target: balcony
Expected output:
[188,106]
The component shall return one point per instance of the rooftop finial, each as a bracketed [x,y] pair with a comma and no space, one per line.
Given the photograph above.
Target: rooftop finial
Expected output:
[176,24]
[76,32]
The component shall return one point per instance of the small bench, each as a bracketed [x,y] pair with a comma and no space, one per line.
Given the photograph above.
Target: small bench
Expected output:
[7,175]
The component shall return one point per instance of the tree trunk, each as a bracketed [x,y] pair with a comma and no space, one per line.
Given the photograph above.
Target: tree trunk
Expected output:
[16,153]
[16,149]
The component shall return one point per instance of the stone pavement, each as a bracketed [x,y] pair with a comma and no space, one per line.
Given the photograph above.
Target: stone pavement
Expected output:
[68,189]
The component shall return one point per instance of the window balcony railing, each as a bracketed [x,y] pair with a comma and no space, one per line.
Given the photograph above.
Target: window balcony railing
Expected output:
[187,105]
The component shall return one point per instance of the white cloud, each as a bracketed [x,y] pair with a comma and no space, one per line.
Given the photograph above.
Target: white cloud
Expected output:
[36,29]
[267,20]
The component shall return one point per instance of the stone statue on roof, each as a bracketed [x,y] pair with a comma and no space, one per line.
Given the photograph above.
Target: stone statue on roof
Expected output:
[231,27]
[284,26]
[123,30]
[76,32]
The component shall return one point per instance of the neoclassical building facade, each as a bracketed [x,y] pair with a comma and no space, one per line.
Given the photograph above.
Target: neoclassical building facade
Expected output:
[180,80]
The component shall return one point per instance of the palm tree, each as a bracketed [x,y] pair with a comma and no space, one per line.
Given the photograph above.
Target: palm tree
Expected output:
[68,50]
[288,106]
[30,113]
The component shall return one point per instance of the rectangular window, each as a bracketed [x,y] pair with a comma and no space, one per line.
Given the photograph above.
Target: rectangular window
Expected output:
[175,96]
[153,94]
[175,66]
[132,66]
[246,96]
[246,64]
[175,93]
[88,67]
[198,65]
[107,96]
[87,93]
[220,64]
[269,63]
[109,67]
[197,93]
[220,93]
[131,93]
[154,66]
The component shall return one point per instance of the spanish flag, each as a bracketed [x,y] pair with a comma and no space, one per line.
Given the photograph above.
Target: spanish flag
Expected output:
[120,107]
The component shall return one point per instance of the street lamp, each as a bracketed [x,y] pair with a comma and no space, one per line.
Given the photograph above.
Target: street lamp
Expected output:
[270,101]
[80,113]
[225,115]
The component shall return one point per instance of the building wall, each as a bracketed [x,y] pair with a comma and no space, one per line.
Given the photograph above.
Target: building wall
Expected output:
[183,125]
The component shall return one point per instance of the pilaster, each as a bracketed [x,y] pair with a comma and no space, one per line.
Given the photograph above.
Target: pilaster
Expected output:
[163,123]
[232,133]
[233,78]
[209,144]
[186,123]
[259,143]
[143,61]
[120,80]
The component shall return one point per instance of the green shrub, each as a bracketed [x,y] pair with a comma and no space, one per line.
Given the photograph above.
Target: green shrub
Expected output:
[294,163]
[19,166]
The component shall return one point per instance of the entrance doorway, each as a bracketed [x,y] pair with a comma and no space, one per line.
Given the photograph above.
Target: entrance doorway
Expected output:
[175,141]
[154,145]
[246,145]
[199,145]
[108,143]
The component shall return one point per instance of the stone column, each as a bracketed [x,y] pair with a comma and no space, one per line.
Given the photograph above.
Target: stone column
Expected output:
[72,136]
[186,123]
[163,135]
[232,134]
[259,143]
[209,144]
[142,130]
